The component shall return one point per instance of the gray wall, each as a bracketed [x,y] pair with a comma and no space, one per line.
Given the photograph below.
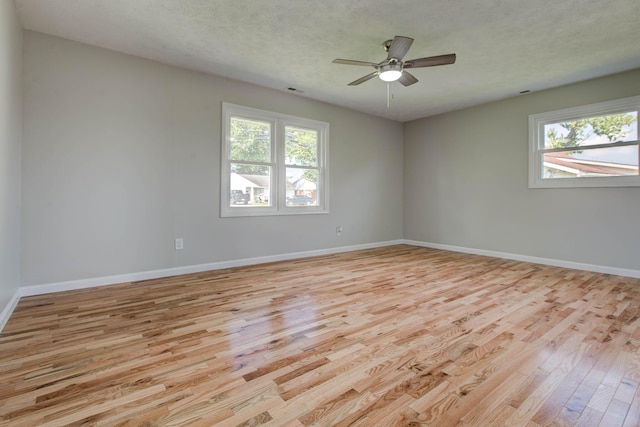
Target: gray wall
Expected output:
[10,139]
[465,176]
[121,155]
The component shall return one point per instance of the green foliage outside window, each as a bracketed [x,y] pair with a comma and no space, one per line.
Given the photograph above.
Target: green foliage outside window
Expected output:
[614,127]
[250,142]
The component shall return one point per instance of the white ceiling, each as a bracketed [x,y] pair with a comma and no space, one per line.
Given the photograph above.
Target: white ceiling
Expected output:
[502,46]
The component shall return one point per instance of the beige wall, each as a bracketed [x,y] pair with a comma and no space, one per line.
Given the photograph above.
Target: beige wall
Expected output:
[121,155]
[10,139]
[465,176]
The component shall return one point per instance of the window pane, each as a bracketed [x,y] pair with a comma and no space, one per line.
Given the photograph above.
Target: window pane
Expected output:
[592,130]
[613,161]
[302,187]
[250,140]
[250,185]
[301,146]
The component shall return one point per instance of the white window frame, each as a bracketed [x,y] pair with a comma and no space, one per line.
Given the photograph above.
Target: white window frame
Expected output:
[278,176]
[537,147]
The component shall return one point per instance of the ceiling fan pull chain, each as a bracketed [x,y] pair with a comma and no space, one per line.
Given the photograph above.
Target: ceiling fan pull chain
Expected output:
[388,93]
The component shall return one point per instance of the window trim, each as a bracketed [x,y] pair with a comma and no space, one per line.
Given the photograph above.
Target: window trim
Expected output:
[278,178]
[537,150]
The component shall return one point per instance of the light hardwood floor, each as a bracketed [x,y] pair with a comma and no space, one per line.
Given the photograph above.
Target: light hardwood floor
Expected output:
[396,336]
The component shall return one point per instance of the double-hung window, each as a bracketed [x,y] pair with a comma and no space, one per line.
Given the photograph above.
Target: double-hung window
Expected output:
[589,146]
[272,164]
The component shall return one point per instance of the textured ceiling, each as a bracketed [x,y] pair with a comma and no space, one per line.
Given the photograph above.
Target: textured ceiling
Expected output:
[503,46]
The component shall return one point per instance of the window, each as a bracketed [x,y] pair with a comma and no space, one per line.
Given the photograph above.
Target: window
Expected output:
[590,146]
[272,164]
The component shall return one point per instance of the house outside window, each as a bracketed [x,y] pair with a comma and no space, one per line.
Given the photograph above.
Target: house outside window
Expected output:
[589,146]
[272,164]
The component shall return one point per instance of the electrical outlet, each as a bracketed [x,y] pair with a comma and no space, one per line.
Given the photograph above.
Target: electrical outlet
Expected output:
[179,244]
[339,230]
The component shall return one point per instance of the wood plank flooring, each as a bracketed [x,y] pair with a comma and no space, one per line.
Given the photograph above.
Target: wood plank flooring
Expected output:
[395,336]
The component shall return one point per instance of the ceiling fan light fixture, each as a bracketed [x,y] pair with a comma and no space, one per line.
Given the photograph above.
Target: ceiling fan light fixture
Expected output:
[390,72]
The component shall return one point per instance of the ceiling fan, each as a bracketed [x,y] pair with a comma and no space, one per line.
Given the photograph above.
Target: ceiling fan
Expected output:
[393,68]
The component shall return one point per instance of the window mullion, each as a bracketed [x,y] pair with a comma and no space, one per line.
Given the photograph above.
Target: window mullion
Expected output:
[281,185]
[589,147]
[248,162]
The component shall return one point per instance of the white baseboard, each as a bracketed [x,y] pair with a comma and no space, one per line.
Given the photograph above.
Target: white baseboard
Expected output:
[175,271]
[167,272]
[8,310]
[532,259]
[72,285]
